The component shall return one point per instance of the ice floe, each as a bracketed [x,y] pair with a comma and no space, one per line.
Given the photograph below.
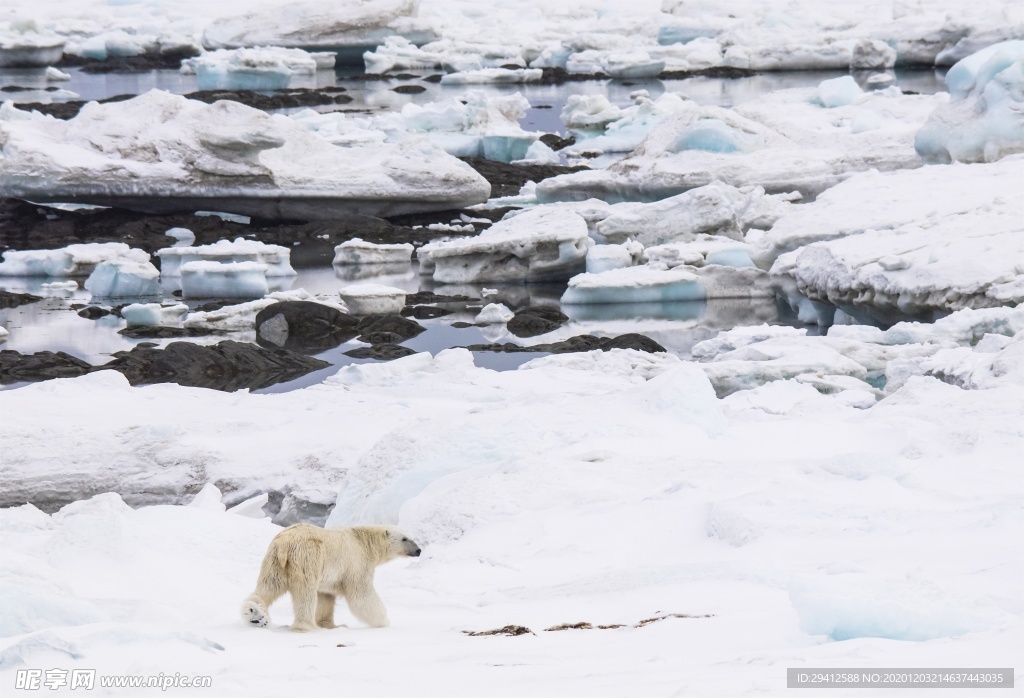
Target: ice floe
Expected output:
[373,299]
[26,44]
[354,25]
[782,142]
[942,237]
[74,260]
[716,208]
[260,68]
[154,314]
[982,122]
[124,278]
[224,280]
[541,244]
[276,258]
[358,251]
[222,157]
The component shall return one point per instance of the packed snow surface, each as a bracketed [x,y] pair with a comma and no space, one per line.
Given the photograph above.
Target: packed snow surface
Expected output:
[787,525]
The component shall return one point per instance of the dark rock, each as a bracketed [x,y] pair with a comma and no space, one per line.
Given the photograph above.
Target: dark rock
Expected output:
[161,332]
[535,320]
[381,338]
[393,324]
[425,312]
[25,226]
[459,325]
[507,179]
[433,78]
[43,365]
[511,630]
[633,341]
[381,352]
[210,307]
[281,99]
[556,142]
[93,312]
[409,89]
[579,343]
[226,366]
[13,300]
[431,297]
[717,72]
[143,63]
[305,327]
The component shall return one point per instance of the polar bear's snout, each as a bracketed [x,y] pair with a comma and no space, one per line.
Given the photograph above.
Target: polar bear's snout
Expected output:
[410,548]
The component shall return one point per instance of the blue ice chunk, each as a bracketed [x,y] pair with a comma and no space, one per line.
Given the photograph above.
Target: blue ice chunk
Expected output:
[714,136]
[838,92]
[735,257]
[263,80]
[675,34]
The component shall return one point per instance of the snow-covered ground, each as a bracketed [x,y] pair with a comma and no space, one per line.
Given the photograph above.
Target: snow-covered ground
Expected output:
[609,488]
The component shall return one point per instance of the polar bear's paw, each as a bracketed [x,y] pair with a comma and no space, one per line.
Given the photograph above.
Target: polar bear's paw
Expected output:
[254,614]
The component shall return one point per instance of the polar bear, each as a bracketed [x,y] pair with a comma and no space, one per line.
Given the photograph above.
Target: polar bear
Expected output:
[316,565]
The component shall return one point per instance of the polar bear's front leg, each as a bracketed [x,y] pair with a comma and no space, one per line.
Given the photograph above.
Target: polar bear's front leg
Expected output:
[325,610]
[367,606]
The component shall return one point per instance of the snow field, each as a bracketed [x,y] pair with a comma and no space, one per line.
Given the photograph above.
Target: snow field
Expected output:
[807,529]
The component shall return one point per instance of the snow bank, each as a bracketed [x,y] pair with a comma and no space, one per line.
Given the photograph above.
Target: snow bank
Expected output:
[541,244]
[942,237]
[222,157]
[73,260]
[982,121]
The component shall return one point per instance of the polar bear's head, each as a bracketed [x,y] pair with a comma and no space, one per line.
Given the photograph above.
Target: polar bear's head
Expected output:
[401,544]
